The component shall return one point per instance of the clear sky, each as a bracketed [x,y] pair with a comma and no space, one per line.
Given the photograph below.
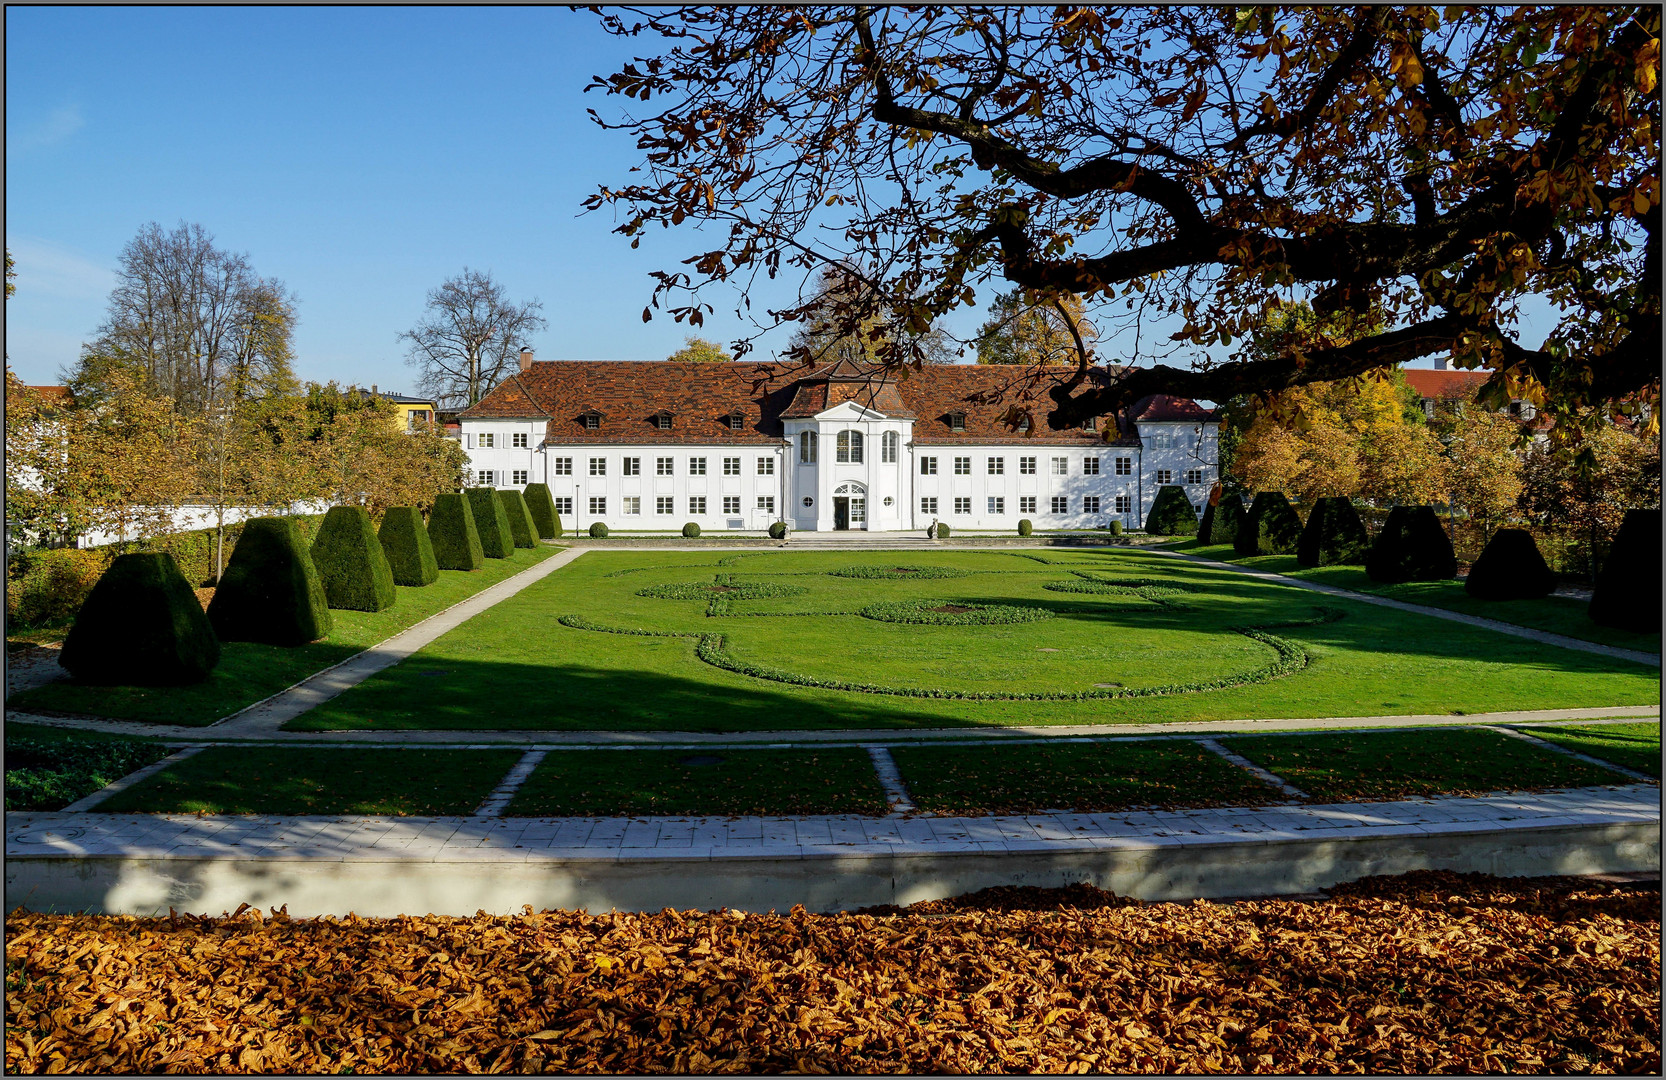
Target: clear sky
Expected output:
[360,155]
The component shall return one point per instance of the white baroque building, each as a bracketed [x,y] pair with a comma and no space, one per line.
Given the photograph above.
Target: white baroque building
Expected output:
[652,445]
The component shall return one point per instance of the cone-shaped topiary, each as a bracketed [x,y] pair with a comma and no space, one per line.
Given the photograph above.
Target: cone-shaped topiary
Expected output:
[350,562]
[1221,521]
[409,551]
[1025,527]
[1510,568]
[1171,513]
[521,529]
[541,505]
[141,625]
[492,523]
[1627,593]
[1334,535]
[1411,547]
[1271,527]
[452,530]
[270,592]
[691,530]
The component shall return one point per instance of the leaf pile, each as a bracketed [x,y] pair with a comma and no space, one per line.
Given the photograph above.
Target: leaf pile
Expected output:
[1430,972]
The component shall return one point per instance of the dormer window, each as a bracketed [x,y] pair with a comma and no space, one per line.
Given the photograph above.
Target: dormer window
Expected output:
[1024,422]
[737,421]
[957,421]
[662,420]
[592,420]
[1089,423]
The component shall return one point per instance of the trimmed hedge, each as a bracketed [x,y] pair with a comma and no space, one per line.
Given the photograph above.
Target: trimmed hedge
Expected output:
[271,592]
[491,522]
[733,590]
[452,531]
[1411,547]
[691,531]
[1171,513]
[598,530]
[921,613]
[522,532]
[942,531]
[1334,535]
[1025,527]
[1510,568]
[778,531]
[541,505]
[141,625]
[409,551]
[1114,528]
[1271,527]
[1221,521]
[350,562]
[899,572]
[1627,593]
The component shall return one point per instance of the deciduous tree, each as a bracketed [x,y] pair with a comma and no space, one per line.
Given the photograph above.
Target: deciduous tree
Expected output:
[1023,328]
[469,338]
[697,350]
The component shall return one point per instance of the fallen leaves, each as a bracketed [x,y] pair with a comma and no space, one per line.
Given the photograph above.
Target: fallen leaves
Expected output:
[1428,972]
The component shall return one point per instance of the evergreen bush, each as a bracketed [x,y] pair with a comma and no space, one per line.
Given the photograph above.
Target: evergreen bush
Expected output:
[1221,521]
[942,531]
[1171,513]
[691,530]
[1411,547]
[1271,527]
[541,505]
[598,530]
[270,592]
[1627,593]
[409,551]
[1510,568]
[778,531]
[1025,527]
[1115,528]
[350,562]
[141,625]
[491,522]
[1334,535]
[47,586]
[522,532]
[452,531]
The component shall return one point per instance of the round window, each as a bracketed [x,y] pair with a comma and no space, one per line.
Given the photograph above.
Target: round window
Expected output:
[808,500]
[888,500]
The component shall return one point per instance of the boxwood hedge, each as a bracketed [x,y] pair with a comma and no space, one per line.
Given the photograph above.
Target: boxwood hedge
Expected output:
[452,531]
[350,562]
[541,505]
[1221,521]
[141,625]
[409,551]
[1510,568]
[491,521]
[270,592]
[1627,593]
[691,530]
[1171,513]
[1411,547]
[1271,527]
[1333,536]
[522,532]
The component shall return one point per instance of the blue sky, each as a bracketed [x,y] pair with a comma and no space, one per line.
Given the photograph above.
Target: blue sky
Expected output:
[361,155]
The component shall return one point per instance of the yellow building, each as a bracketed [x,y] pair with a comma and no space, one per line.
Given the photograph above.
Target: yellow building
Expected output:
[409,411]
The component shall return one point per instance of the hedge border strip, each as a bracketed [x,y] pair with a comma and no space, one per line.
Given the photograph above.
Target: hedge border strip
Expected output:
[919,613]
[899,573]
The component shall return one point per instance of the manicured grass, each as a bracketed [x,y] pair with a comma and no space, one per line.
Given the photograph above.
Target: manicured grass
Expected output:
[1364,766]
[1636,746]
[586,783]
[307,780]
[1082,777]
[1556,614]
[545,659]
[49,768]
[249,672]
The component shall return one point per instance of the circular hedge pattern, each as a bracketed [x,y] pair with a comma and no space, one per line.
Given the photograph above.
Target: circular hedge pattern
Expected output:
[951,613]
[1115,587]
[705,590]
[898,573]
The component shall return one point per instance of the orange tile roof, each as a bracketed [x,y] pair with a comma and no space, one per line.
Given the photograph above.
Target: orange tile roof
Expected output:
[54,395]
[1445,385]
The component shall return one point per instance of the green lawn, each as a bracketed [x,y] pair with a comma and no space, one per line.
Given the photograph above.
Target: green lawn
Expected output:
[583,783]
[1081,777]
[248,672]
[1556,614]
[1364,766]
[1122,637]
[1636,746]
[308,780]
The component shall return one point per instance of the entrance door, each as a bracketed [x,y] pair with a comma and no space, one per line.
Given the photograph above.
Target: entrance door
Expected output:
[841,512]
[859,513]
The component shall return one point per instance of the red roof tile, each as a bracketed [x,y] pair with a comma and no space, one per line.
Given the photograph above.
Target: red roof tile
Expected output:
[1445,385]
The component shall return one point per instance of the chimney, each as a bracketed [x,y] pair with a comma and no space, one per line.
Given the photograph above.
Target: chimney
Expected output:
[372,389]
[526,358]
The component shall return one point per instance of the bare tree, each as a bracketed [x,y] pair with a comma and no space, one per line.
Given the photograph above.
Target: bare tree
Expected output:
[469,338]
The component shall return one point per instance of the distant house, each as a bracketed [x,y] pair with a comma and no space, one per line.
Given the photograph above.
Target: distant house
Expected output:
[410,411]
[1442,389]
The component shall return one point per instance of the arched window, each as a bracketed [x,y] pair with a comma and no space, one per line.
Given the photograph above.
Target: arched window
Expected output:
[850,447]
[806,448]
[888,448]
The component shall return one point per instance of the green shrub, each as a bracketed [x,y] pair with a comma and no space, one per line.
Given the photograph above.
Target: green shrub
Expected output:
[953,613]
[196,551]
[492,523]
[1221,521]
[44,774]
[1510,568]
[1171,513]
[598,530]
[691,530]
[1627,593]
[1334,535]
[47,586]
[141,625]
[1114,528]
[541,505]
[1025,527]
[942,531]
[409,551]
[778,531]
[1411,547]
[871,572]
[522,531]
[1271,527]
[452,531]
[271,592]
[350,562]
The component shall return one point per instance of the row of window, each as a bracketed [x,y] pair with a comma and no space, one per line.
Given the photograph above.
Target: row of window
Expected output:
[847,447]
[487,440]
[1060,504]
[632,466]
[996,466]
[766,467]
[664,504]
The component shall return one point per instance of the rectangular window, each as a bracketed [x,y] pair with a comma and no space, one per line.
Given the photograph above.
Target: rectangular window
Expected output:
[806,448]
[487,478]
[1090,504]
[598,504]
[564,505]
[1026,504]
[997,466]
[928,466]
[592,421]
[963,506]
[697,505]
[1061,466]
[1159,439]
[665,504]
[633,466]
[519,477]
[633,505]
[1090,466]
[1165,476]
[731,504]
[1124,466]
[488,440]
[1026,466]
[766,466]
[561,466]
[665,466]
[1194,476]
[928,506]
[1124,504]
[696,466]
[731,466]
[1061,505]
[997,505]
[598,466]
[518,440]
[766,503]
[963,466]
[888,443]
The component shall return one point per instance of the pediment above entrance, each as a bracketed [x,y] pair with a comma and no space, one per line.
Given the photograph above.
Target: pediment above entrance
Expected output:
[850,410]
